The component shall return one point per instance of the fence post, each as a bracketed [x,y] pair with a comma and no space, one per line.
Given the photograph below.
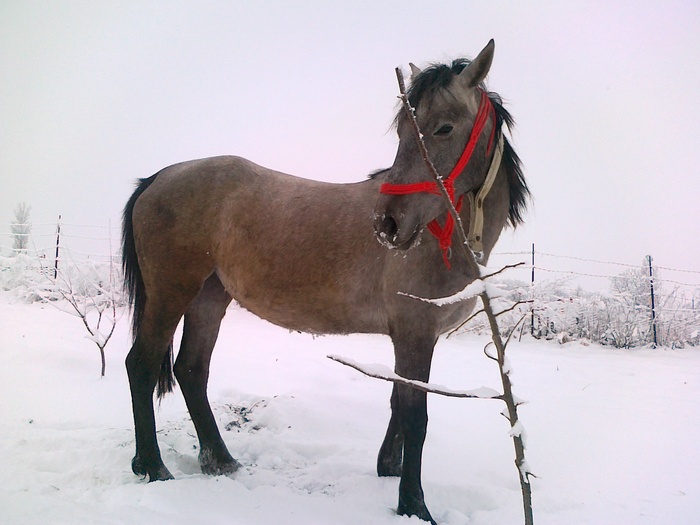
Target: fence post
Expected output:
[653,309]
[58,239]
[532,286]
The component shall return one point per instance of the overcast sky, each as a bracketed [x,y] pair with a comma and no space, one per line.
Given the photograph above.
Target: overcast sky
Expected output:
[95,94]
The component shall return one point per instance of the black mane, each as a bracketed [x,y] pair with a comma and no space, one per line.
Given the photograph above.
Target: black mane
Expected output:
[438,77]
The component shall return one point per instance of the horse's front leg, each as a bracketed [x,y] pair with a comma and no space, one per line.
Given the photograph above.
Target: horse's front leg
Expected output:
[413,356]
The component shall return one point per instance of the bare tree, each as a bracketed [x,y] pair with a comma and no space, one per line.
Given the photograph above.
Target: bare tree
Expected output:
[88,291]
[93,298]
[21,227]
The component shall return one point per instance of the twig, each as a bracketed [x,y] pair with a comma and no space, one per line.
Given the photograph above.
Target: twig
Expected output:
[486,353]
[512,406]
[510,309]
[503,269]
[388,375]
[516,324]
[472,316]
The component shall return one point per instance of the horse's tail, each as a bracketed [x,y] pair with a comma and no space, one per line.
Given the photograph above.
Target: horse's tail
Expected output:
[134,287]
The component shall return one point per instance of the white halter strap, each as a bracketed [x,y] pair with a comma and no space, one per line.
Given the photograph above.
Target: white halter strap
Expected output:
[476,204]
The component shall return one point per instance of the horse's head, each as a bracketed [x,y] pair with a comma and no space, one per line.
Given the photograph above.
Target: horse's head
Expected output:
[458,124]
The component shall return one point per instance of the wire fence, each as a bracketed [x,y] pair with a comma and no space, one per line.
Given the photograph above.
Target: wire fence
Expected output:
[682,277]
[629,306]
[61,242]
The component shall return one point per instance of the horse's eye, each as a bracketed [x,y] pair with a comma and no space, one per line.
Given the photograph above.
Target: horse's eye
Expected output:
[443,131]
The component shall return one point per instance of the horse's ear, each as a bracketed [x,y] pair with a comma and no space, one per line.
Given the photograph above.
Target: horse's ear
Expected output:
[415,71]
[475,73]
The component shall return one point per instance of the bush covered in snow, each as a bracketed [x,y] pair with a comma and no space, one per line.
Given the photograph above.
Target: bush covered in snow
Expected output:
[34,279]
[620,317]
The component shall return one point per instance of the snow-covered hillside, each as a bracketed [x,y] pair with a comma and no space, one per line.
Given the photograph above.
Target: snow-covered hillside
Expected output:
[612,434]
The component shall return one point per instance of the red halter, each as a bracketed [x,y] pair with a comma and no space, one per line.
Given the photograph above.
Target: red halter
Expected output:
[444,233]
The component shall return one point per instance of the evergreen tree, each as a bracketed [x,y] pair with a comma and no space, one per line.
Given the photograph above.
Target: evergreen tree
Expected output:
[21,227]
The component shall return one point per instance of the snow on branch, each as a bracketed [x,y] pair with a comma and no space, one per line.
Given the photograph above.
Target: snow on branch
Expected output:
[471,290]
[385,373]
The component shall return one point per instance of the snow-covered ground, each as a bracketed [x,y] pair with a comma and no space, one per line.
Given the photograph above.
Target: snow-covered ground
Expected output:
[612,434]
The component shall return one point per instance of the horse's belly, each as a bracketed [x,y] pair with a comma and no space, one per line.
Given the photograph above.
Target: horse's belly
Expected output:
[306,303]
[299,314]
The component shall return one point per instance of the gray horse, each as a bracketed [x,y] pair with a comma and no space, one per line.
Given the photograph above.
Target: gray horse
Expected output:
[304,255]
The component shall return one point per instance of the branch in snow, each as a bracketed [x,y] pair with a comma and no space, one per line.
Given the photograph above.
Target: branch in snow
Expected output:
[97,338]
[503,269]
[385,373]
[474,288]
[470,291]
[518,430]
[497,314]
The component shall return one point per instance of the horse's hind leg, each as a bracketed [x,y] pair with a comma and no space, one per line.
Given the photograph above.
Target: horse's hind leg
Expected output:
[391,451]
[202,321]
[143,364]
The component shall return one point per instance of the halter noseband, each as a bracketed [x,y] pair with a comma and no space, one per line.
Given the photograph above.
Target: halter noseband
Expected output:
[476,225]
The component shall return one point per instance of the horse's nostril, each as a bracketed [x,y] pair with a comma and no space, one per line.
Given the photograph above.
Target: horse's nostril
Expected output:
[389,227]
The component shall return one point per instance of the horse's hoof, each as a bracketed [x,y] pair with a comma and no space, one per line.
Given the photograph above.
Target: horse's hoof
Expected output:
[217,466]
[388,468]
[156,472]
[418,509]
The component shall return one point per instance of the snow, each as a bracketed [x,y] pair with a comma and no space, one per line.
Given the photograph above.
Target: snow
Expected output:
[97,338]
[612,434]
[518,430]
[507,367]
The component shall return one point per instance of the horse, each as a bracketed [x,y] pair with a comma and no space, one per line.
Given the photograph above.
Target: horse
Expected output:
[305,255]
